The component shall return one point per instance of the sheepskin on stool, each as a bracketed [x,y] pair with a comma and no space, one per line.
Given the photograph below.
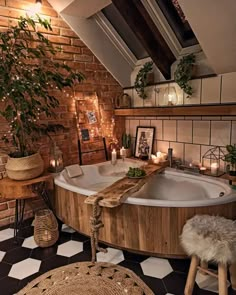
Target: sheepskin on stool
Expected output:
[211,238]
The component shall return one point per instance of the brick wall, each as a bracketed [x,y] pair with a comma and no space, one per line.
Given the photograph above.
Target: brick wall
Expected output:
[75,54]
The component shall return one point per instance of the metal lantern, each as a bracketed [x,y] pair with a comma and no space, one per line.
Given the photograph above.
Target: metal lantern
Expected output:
[214,156]
[56,159]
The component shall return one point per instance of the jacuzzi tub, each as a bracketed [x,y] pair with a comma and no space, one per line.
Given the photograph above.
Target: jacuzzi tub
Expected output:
[151,220]
[171,188]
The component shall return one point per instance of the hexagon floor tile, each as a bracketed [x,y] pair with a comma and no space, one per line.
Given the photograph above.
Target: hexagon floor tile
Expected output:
[113,256]
[207,282]
[24,268]
[6,234]
[65,228]
[70,248]
[156,267]
[2,255]
[29,243]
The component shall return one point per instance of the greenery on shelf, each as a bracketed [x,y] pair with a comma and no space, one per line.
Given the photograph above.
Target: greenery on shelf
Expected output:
[184,72]
[126,140]
[29,79]
[141,80]
[231,158]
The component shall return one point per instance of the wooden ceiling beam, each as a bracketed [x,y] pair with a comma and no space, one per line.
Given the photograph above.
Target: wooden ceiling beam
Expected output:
[148,34]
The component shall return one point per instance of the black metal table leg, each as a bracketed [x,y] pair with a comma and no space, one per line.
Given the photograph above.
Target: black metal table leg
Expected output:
[19,216]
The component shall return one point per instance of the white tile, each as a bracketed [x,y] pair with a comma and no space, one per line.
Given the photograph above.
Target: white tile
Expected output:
[178,149]
[184,131]
[220,133]
[204,150]
[201,132]
[158,128]
[150,101]
[192,153]
[6,234]
[211,90]
[208,282]
[169,129]
[138,101]
[2,255]
[70,248]
[133,127]
[160,91]
[112,256]
[127,124]
[29,243]
[162,146]
[233,132]
[195,98]
[144,123]
[156,267]
[24,268]
[228,93]
[67,229]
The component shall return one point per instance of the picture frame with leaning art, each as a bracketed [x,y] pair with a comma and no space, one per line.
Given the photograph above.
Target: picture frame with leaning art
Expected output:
[144,142]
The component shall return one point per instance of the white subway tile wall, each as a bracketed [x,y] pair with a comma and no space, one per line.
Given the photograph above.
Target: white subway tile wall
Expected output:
[190,136]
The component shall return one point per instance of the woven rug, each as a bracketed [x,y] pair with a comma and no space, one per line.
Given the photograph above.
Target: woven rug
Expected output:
[86,278]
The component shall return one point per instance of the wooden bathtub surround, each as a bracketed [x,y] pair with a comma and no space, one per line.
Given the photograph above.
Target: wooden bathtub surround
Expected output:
[144,229]
[119,191]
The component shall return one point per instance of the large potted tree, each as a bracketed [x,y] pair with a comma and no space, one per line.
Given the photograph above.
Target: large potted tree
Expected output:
[29,75]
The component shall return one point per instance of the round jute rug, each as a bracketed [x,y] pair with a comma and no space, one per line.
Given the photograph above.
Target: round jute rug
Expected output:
[87,278]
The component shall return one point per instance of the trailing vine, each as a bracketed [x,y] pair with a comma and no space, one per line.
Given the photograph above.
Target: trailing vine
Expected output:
[141,80]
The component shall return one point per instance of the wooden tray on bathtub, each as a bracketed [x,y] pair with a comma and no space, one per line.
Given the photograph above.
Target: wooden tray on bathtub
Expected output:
[115,194]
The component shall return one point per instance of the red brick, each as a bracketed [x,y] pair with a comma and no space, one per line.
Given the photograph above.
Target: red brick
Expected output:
[59,40]
[3,206]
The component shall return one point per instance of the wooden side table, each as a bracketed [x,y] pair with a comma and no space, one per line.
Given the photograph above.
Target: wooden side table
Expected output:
[26,189]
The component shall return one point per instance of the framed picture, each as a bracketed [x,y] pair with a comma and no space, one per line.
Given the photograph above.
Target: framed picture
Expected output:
[91,117]
[85,134]
[144,142]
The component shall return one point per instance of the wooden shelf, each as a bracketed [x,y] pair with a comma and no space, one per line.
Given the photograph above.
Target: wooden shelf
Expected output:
[200,110]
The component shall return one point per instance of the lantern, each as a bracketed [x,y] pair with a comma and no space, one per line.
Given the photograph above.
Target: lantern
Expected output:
[56,159]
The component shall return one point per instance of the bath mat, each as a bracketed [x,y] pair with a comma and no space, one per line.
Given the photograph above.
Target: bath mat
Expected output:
[87,278]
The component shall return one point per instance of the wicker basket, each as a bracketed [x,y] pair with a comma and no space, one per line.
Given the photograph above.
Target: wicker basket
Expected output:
[25,168]
[45,228]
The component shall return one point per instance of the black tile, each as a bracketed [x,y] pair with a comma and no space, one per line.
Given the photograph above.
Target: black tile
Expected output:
[53,262]
[156,285]
[63,238]
[26,232]
[181,265]
[83,256]
[8,286]
[79,237]
[24,282]
[4,269]
[175,282]
[134,257]
[10,244]
[17,255]
[134,266]
[44,253]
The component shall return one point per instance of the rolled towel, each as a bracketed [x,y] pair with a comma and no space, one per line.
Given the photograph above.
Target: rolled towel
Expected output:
[74,170]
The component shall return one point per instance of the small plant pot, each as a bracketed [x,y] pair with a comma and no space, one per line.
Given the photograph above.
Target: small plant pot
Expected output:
[25,168]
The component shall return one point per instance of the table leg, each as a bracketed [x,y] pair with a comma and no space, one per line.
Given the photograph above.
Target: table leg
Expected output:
[19,216]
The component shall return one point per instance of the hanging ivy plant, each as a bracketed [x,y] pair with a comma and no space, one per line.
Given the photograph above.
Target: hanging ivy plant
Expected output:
[184,73]
[141,80]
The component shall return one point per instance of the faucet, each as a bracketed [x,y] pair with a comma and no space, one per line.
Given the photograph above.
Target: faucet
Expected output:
[170,156]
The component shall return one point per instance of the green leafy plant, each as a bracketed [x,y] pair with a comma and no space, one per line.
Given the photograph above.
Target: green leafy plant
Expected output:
[126,140]
[184,73]
[29,81]
[231,158]
[141,80]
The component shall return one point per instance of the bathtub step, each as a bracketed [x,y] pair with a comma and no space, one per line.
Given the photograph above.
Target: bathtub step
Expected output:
[115,194]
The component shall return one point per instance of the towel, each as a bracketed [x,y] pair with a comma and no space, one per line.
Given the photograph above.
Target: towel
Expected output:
[74,170]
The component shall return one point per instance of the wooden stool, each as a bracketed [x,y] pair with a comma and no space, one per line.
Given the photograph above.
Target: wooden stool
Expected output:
[210,239]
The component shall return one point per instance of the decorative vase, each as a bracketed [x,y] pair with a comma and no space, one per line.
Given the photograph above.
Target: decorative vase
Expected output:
[25,168]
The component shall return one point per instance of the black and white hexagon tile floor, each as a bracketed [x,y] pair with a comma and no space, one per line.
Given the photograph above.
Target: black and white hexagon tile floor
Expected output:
[23,262]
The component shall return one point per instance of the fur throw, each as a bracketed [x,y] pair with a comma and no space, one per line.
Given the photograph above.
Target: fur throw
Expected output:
[211,238]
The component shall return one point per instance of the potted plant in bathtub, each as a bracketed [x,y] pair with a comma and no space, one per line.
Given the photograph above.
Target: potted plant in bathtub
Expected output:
[29,81]
[230,158]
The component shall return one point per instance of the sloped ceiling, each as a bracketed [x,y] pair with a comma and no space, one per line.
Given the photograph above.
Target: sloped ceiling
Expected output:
[214,24]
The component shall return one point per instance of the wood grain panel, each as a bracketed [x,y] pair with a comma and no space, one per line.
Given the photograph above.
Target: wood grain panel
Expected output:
[145,229]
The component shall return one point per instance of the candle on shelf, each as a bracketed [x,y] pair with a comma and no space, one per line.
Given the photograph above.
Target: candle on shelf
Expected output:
[113,157]
[214,168]
[53,163]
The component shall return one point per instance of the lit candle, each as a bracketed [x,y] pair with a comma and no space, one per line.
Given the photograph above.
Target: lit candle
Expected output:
[159,155]
[113,157]
[53,163]
[214,168]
